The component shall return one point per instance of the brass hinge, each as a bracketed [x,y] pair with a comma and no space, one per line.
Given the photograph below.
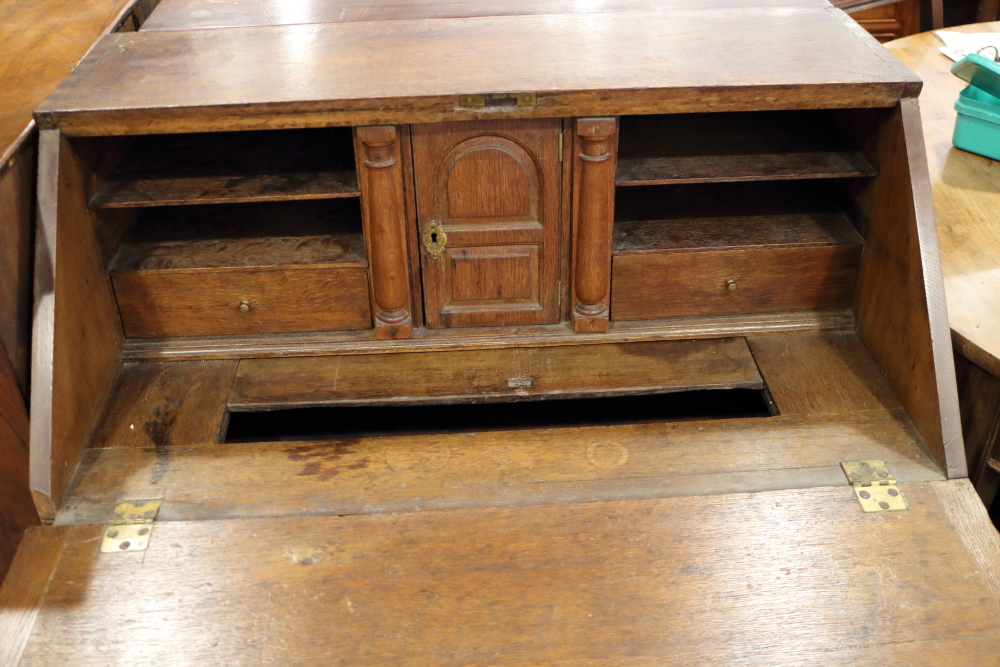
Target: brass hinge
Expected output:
[559,289]
[561,147]
[130,526]
[874,486]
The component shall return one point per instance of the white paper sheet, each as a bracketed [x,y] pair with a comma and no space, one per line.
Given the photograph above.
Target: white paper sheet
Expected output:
[957,45]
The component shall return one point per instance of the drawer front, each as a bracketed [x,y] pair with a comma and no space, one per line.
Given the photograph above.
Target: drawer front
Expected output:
[216,302]
[653,286]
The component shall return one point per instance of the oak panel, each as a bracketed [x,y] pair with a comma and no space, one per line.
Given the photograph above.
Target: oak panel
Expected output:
[235,81]
[158,405]
[692,284]
[206,302]
[17,188]
[900,303]
[542,335]
[494,189]
[189,14]
[821,373]
[736,579]
[509,374]
[74,310]
[370,475]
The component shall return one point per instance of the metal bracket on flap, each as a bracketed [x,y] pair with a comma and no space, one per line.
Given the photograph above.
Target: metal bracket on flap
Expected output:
[130,526]
[874,486]
[499,100]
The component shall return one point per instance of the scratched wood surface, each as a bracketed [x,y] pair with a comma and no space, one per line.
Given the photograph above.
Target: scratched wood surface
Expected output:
[233,79]
[508,374]
[190,14]
[791,577]
[849,416]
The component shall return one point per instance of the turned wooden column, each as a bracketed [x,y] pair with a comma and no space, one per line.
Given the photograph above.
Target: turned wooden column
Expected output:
[380,175]
[593,220]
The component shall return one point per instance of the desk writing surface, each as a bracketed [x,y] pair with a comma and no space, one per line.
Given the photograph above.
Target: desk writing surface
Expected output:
[413,70]
[966,203]
[189,14]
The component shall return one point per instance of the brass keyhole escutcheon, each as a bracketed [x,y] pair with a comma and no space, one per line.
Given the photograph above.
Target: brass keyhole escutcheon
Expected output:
[731,285]
[434,239]
[244,306]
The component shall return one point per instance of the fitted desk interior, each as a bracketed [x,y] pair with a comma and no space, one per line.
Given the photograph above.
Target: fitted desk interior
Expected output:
[613,292]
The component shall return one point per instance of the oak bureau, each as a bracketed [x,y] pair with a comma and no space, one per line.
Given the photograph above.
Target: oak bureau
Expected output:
[590,302]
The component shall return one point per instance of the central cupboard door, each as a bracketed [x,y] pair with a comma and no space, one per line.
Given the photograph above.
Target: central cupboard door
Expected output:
[488,204]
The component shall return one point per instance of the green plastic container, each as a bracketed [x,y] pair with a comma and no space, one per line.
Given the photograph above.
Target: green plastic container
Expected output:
[977,128]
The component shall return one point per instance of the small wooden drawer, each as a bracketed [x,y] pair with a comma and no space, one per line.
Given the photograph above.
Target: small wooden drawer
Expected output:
[258,300]
[730,249]
[731,282]
[244,269]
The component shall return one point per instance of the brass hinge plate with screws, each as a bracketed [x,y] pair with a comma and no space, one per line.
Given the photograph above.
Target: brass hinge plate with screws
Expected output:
[874,486]
[130,526]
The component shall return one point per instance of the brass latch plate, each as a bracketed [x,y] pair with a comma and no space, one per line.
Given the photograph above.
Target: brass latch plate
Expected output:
[498,100]
[874,486]
[130,526]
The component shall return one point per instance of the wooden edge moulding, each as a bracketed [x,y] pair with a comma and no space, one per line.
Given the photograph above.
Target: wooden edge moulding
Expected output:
[713,203]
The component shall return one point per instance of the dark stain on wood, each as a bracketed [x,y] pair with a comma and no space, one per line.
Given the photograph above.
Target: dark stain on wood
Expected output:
[321,459]
[159,430]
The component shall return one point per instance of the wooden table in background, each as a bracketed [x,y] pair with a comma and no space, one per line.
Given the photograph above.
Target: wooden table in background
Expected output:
[967,206]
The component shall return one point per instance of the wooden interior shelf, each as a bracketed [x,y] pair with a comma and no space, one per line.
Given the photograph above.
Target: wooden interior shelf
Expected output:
[712,148]
[282,165]
[728,216]
[270,234]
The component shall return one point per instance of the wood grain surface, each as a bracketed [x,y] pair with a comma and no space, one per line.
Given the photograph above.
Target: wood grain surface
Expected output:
[494,189]
[652,285]
[966,204]
[736,579]
[386,221]
[189,14]
[900,302]
[243,300]
[318,344]
[366,475]
[234,79]
[42,40]
[17,511]
[244,167]
[75,310]
[821,374]
[979,400]
[158,404]
[509,374]
[243,236]
[849,415]
[711,148]
[17,208]
[594,151]
[23,592]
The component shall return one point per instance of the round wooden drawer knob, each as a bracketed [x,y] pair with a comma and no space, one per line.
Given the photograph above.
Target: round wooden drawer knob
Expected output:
[244,306]
[731,285]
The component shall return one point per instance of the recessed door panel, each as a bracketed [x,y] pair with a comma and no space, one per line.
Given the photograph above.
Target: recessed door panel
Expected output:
[488,203]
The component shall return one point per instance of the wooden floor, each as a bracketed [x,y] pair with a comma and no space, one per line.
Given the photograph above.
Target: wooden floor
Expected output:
[724,542]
